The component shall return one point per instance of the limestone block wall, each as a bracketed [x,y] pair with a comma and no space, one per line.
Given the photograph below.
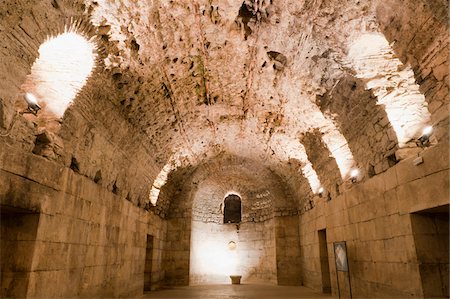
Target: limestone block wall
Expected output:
[287,250]
[177,251]
[213,261]
[89,242]
[374,218]
[431,237]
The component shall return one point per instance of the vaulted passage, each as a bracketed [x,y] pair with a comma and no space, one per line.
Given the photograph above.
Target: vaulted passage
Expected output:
[147,145]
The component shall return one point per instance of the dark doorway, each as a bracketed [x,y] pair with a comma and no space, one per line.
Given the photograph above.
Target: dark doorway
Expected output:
[324,266]
[431,237]
[18,239]
[232,209]
[148,264]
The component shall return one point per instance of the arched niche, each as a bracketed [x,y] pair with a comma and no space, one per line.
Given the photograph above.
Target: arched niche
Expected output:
[232,211]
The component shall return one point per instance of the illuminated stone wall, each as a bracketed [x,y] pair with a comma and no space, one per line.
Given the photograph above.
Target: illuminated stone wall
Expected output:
[197,239]
[290,90]
[211,260]
[374,219]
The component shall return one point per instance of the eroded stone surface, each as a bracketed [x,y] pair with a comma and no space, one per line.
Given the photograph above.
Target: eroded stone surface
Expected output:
[195,99]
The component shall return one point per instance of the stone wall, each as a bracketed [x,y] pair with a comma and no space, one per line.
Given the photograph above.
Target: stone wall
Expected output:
[88,242]
[94,132]
[176,258]
[363,122]
[374,219]
[212,261]
[287,250]
[266,239]
[431,239]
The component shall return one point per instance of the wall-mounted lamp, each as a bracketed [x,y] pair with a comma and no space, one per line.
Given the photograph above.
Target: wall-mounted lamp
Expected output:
[33,105]
[424,140]
[324,193]
[231,245]
[354,174]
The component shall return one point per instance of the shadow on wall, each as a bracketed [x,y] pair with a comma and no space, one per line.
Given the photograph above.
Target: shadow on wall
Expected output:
[431,238]
[18,237]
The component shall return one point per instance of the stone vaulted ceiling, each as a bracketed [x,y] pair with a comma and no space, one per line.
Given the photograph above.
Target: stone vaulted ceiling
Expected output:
[226,75]
[283,83]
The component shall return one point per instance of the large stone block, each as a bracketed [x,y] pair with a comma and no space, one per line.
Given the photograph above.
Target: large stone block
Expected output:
[428,192]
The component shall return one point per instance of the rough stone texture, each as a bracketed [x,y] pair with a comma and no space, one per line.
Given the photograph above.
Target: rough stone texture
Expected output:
[211,261]
[87,241]
[182,77]
[385,259]
[197,252]
[256,97]
[431,240]
[363,123]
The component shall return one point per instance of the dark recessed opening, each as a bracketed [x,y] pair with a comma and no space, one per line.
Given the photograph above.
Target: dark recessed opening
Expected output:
[148,264]
[232,209]
[74,165]
[18,240]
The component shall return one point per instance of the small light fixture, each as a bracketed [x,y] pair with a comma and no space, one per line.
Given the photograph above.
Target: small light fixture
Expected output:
[354,175]
[324,193]
[424,140]
[231,245]
[32,103]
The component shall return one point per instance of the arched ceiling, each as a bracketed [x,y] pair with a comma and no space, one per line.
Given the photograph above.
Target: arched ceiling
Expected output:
[241,76]
[267,81]
[206,185]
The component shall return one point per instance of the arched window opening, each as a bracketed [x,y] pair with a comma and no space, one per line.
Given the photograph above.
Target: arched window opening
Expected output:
[65,63]
[232,209]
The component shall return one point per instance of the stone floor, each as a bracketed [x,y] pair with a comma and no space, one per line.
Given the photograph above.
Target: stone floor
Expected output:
[236,292]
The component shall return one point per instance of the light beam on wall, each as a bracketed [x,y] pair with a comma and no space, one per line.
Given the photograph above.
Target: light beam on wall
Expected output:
[289,148]
[180,158]
[392,82]
[211,256]
[338,146]
[65,62]
[160,181]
